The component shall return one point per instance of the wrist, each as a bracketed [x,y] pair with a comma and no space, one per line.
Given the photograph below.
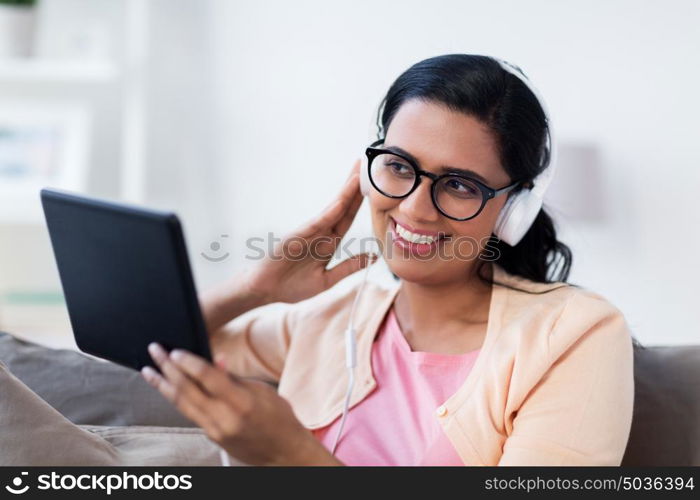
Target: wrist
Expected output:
[246,290]
[241,292]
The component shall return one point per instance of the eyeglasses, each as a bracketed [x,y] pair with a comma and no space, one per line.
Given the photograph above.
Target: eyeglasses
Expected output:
[456,196]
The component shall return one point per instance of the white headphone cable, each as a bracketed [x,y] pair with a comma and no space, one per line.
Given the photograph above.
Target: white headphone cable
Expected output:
[350,362]
[350,357]
[225,460]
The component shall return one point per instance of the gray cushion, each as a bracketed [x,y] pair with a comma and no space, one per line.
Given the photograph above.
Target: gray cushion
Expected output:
[32,433]
[666,421]
[160,446]
[86,390]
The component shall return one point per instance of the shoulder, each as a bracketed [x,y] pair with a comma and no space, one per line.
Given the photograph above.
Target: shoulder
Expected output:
[563,313]
[522,296]
[590,319]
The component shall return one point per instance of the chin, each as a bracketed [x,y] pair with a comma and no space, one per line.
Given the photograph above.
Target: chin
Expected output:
[422,272]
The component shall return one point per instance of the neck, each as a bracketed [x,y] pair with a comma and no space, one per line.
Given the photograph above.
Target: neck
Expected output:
[433,314]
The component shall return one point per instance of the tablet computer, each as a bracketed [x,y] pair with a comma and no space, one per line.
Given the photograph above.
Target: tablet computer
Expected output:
[126,278]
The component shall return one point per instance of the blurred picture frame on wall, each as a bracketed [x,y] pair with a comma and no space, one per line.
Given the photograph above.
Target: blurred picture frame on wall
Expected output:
[42,144]
[18,19]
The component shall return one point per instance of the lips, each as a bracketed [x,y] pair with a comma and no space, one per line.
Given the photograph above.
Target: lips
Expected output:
[418,241]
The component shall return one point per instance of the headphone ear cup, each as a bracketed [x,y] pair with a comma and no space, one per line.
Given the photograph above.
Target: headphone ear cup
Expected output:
[503,216]
[364,177]
[516,216]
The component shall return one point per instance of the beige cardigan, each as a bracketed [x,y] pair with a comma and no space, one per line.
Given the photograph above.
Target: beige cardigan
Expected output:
[552,385]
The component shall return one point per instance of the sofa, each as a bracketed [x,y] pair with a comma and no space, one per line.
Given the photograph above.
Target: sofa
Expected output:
[124,421]
[120,419]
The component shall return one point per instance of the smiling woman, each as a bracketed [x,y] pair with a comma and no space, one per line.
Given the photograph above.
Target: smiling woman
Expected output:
[486,357]
[490,359]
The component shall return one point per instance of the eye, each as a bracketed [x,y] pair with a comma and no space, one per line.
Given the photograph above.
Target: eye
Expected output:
[461,187]
[399,169]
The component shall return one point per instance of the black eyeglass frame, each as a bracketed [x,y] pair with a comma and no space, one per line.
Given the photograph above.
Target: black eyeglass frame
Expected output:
[487,192]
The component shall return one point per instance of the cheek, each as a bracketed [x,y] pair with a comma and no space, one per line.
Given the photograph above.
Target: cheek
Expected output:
[492,210]
[379,205]
[483,224]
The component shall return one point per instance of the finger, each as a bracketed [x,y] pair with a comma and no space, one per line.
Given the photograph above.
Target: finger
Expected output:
[349,266]
[220,361]
[182,386]
[209,417]
[200,369]
[211,413]
[334,213]
[356,167]
[194,412]
[347,218]
[217,382]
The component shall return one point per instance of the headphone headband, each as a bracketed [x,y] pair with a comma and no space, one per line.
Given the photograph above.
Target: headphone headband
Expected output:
[542,181]
[521,209]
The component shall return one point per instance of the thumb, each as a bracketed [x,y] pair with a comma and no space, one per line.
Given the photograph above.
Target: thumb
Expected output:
[355,167]
[349,266]
[220,361]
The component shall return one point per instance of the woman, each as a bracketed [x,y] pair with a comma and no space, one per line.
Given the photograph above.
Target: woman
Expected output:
[483,355]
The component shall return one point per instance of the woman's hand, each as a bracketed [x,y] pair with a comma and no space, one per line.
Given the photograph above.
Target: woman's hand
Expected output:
[245,417]
[296,270]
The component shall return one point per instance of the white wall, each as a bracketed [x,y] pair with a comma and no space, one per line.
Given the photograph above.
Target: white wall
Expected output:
[620,78]
[257,110]
[182,135]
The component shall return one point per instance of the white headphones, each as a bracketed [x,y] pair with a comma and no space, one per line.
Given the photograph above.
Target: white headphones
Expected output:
[521,208]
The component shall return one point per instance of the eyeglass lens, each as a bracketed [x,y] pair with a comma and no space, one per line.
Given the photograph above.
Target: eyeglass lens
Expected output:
[457,197]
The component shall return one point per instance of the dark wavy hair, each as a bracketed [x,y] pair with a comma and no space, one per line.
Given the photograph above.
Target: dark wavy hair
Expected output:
[478,86]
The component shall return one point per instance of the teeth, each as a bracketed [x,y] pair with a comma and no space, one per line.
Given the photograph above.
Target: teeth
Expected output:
[413,237]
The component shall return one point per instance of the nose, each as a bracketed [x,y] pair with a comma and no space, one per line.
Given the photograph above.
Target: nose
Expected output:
[418,206]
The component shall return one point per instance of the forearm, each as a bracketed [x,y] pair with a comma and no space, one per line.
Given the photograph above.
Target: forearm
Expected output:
[319,455]
[228,301]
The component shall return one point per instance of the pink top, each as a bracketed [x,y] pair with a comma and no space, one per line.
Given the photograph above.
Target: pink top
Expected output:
[396,424]
[553,383]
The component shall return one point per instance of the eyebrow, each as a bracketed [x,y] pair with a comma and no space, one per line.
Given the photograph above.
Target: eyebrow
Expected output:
[444,168]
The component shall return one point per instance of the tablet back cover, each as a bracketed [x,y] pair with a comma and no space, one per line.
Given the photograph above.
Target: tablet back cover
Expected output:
[126,278]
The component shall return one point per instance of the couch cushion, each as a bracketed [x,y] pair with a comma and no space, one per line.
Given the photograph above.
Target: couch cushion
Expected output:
[160,446]
[87,390]
[103,397]
[666,420]
[32,433]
